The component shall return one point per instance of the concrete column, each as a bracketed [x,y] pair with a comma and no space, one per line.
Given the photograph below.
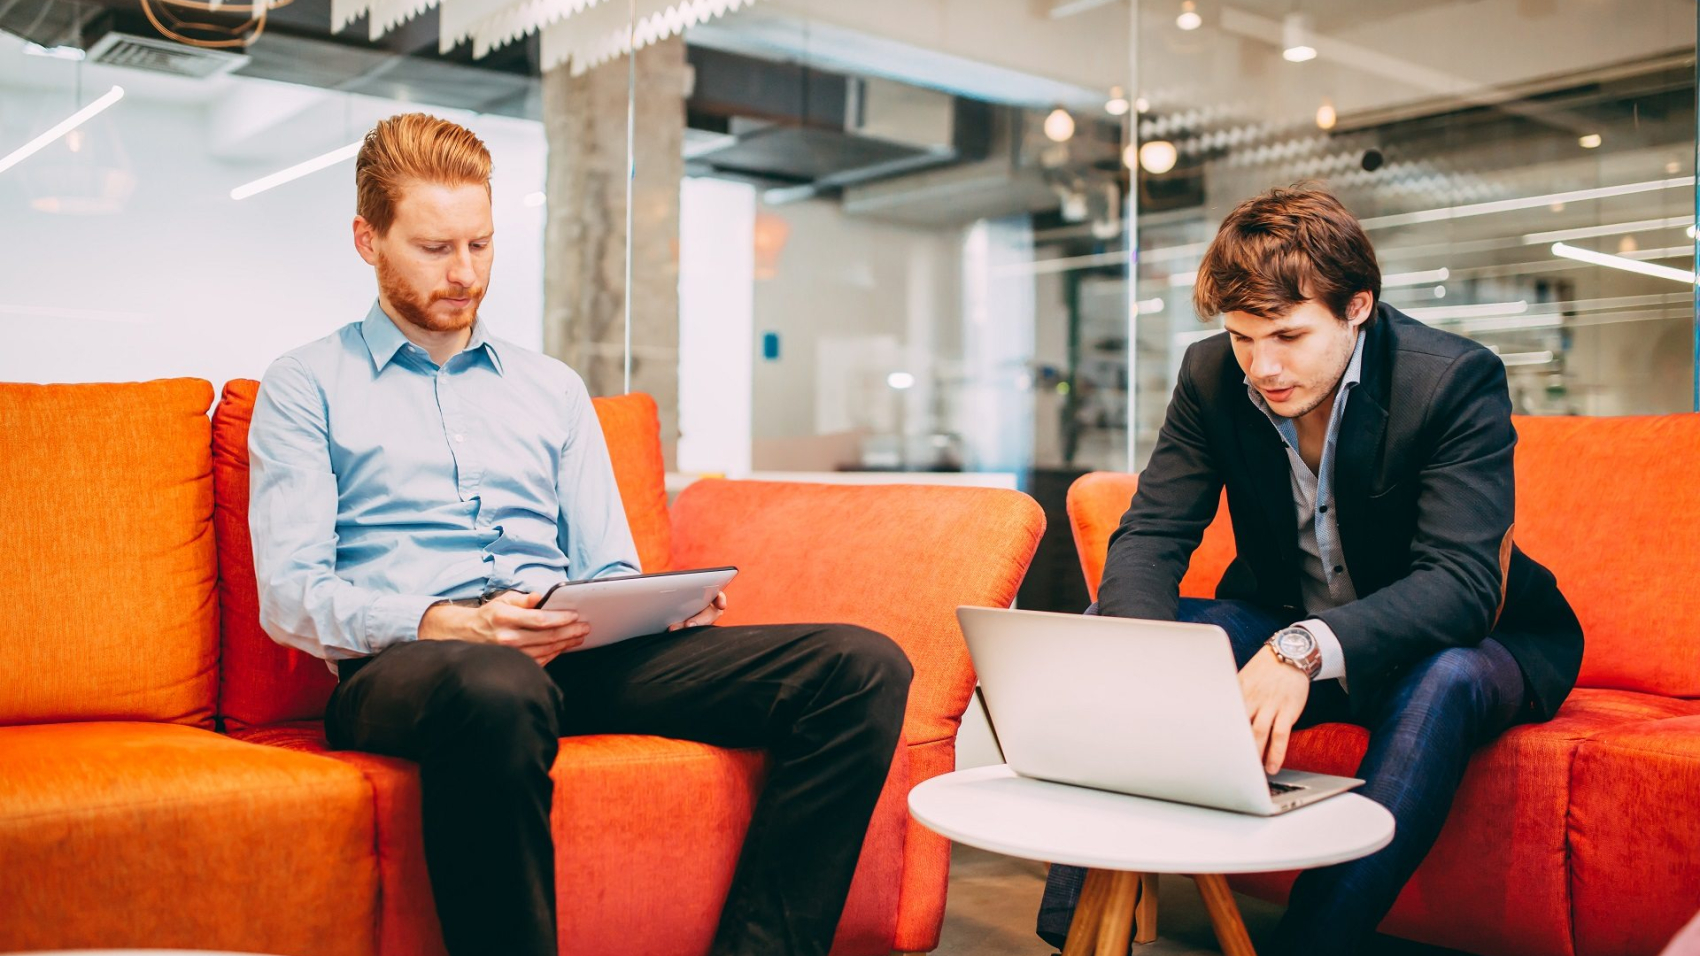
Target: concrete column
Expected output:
[584,120]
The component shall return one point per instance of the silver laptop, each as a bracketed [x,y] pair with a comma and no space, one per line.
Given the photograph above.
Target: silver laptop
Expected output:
[1141,707]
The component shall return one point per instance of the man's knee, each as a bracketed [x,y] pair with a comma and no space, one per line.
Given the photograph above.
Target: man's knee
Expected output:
[499,705]
[870,668]
[1456,678]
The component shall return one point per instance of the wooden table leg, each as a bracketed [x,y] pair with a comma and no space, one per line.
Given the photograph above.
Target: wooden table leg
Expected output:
[1224,915]
[1111,904]
[1117,924]
[1145,911]
[1088,914]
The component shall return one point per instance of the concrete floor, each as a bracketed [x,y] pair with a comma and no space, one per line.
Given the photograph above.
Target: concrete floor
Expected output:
[993,900]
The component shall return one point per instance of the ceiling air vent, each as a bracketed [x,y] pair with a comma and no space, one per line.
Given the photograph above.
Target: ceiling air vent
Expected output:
[163,56]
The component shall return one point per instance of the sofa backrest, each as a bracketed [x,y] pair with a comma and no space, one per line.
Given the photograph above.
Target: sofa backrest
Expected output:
[108,568]
[264,682]
[1608,504]
[895,558]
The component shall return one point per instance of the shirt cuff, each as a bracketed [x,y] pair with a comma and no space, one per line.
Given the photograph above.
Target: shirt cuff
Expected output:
[394,618]
[1333,656]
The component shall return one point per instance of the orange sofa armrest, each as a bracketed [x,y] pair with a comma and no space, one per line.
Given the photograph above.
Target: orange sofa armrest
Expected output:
[895,558]
[1096,503]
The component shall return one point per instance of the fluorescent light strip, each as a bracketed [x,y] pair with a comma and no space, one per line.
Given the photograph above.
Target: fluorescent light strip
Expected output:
[1440,313]
[1513,323]
[70,123]
[1590,232]
[1527,358]
[1619,262]
[1398,279]
[295,172]
[1527,202]
[70,53]
[1149,306]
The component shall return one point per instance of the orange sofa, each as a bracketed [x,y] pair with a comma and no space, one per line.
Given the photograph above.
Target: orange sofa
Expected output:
[1581,835]
[164,779]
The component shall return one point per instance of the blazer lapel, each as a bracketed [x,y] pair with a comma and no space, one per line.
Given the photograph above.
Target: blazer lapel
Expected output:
[1362,432]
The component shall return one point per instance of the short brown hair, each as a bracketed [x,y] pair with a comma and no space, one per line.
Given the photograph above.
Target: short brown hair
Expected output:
[1278,250]
[414,148]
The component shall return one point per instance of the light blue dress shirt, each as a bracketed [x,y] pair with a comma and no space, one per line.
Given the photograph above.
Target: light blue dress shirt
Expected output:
[381,483]
[1326,582]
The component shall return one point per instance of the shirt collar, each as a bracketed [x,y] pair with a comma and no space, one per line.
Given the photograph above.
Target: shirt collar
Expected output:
[384,338]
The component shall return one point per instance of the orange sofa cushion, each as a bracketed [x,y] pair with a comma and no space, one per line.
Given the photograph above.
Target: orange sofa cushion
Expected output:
[264,682]
[1608,504]
[1509,818]
[896,558]
[109,564]
[156,835]
[647,832]
[1635,835]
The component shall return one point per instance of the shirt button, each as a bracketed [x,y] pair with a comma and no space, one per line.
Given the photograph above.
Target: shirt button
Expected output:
[1323,509]
[1338,569]
[460,438]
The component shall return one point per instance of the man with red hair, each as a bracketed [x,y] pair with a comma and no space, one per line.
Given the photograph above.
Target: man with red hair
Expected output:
[417,482]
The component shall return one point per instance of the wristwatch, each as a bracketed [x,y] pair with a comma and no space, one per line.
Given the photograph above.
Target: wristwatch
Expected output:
[1296,646]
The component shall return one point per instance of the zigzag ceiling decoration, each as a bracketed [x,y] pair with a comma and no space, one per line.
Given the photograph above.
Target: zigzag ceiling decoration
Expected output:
[583,33]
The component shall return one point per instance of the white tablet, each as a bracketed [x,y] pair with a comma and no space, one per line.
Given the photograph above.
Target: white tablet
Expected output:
[632,605]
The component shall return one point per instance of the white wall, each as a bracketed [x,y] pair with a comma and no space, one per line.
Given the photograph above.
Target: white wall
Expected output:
[186,281]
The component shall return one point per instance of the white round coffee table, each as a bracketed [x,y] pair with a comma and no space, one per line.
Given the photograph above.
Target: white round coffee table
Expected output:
[1125,841]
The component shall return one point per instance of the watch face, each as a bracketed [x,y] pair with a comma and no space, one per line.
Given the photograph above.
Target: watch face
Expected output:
[1296,644]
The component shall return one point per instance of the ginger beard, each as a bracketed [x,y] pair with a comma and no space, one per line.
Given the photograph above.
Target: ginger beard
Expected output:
[432,311]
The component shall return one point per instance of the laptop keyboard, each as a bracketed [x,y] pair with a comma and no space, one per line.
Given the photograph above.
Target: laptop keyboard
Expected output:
[1277,789]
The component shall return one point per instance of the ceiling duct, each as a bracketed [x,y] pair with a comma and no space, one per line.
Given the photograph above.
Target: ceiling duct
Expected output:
[805,132]
[163,56]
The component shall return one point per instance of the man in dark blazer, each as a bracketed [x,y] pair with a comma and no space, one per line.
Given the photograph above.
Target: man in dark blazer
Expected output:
[1368,463]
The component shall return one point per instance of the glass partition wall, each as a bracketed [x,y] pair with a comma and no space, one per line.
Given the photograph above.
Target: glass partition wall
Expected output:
[951,240]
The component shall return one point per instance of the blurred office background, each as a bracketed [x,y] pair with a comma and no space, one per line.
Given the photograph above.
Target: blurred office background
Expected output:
[948,240]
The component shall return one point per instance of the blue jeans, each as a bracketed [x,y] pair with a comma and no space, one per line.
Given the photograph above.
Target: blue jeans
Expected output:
[1422,733]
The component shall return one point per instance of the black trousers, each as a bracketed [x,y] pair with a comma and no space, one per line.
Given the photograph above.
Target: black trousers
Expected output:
[483,722]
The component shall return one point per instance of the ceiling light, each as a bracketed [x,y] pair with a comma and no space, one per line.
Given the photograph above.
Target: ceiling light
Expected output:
[1527,358]
[1690,231]
[1158,156]
[1141,105]
[296,172]
[1325,116]
[1424,277]
[1295,39]
[1440,292]
[900,380]
[533,200]
[1130,156]
[1590,141]
[1059,126]
[68,124]
[1555,200]
[1604,229]
[1442,313]
[1619,262]
[1148,306]
[55,52]
[1513,323]
[1116,106]
[1189,18]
